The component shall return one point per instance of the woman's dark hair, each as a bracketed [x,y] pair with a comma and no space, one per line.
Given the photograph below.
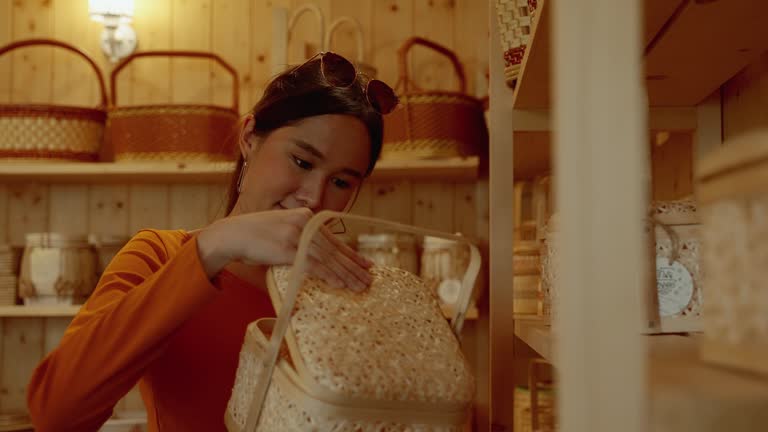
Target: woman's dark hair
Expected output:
[302,92]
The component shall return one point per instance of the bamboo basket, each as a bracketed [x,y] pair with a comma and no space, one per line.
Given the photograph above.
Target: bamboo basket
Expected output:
[732,189]
[433,124]
[515,20]
[174,132]
[382,360]
[52,132]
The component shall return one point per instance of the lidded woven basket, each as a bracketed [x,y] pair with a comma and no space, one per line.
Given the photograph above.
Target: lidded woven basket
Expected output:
[432,124]
[384,359]
[52,132]
[174,132]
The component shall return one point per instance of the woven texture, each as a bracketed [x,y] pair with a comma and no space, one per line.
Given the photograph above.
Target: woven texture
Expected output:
[50,132]
[173,132]
[282,412]
[390,343]
[735,256]
[515,20]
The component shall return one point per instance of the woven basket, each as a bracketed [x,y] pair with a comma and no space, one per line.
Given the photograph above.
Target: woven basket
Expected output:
[515,20]
[433,124]
[174,132]
[382,360]
[52,132]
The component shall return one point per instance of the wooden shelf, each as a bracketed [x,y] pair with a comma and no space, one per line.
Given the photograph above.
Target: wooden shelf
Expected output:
[70,311]
[458,169]
[685,393]
[703,46]
[537,334]
[38,311]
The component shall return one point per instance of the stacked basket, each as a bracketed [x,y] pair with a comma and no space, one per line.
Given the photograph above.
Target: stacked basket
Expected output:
[8,266]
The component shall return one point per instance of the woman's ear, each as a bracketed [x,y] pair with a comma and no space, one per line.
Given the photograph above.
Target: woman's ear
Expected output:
[247,140]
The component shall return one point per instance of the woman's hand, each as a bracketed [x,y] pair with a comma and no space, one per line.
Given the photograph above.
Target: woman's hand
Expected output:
[272,238]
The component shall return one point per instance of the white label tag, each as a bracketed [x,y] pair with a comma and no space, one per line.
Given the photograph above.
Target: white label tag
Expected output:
[675,286]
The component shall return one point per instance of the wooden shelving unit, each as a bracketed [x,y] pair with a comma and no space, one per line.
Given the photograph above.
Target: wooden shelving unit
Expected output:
[70,311]
[458,169]
[609,376]
[691,48]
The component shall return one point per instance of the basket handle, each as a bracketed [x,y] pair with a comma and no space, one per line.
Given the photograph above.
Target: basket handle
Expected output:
[296,277]
[66,46]
[402,58]
[189,54]
[301,10]
[358,33]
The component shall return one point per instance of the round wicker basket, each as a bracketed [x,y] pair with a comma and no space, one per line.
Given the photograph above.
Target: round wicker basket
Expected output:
[52,132]
[173,132]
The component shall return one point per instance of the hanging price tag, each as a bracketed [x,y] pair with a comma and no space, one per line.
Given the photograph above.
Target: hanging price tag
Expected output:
[675,286]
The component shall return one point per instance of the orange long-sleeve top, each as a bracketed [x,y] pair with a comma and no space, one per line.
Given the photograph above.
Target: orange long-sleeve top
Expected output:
[154,318]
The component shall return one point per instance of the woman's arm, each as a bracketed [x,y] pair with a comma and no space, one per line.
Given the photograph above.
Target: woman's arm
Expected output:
[147,292]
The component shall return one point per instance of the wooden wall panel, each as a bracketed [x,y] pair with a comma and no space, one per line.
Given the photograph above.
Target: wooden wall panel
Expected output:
[68,209]
[392,200]
[305,39]
[433,20]
[149,80]
[261,47]
[68,68]
[393,23]
[344,40]
[108,210]
[191,31]
[6,36]
[23,344]
[27,211]
[188,206]
[470,41]
[433,205]
[32,67]
[149,207]
[672,166]
[231,40]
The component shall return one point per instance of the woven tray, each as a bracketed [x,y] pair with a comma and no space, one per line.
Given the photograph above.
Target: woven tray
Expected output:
[52,132]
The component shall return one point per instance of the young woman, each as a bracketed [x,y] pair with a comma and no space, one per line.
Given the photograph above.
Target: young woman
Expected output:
[170,311]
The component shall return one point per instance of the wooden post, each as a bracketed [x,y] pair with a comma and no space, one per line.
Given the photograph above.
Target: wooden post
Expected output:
[501,228]
[600,132]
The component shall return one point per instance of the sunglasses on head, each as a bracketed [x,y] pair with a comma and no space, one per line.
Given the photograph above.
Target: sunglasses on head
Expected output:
[340,72]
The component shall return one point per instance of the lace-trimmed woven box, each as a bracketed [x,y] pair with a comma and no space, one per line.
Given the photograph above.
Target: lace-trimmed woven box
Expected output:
[515,19]
[732,187]
[384,360]
[679,285]
[45,132]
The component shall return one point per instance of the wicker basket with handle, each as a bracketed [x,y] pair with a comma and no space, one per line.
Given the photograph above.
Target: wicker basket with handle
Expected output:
[433,124]
[52,132]
[173,132]
[385,359]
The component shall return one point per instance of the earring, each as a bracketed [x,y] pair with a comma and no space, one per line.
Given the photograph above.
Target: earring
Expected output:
[240,178]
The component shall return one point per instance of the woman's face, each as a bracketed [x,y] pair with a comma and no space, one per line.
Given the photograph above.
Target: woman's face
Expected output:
[318,162]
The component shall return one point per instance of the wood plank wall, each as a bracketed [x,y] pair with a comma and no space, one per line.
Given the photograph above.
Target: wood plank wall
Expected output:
[240,32]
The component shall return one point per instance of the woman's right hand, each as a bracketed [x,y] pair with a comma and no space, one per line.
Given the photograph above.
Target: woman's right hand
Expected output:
[272,238]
